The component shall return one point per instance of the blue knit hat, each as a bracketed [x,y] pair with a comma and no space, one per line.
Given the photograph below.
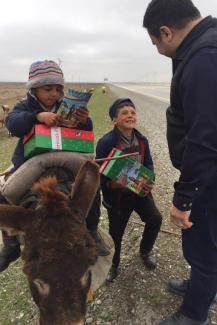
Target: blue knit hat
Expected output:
[117,103]
[43,73]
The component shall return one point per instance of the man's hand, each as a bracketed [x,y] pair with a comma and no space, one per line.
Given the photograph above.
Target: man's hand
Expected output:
[82,115]
[49,118]
[180,218]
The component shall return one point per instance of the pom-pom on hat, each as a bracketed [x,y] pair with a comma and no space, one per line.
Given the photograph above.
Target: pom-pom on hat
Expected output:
[119,103]
[43,73]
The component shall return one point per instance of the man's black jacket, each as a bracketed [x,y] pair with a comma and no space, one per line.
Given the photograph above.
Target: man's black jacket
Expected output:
[192,116]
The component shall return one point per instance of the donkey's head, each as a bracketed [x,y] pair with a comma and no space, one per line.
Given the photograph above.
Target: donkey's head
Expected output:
[58,249]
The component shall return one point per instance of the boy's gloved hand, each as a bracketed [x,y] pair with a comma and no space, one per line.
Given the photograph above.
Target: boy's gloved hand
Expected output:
[82,114]
[49,118]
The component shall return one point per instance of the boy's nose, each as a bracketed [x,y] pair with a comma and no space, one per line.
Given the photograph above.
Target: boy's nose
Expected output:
[55,92]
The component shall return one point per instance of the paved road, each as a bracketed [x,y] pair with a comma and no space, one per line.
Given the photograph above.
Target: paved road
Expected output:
[158,91]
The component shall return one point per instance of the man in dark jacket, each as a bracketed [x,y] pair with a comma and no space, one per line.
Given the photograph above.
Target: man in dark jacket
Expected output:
[179,32]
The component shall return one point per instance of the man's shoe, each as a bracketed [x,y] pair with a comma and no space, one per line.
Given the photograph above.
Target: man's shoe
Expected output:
[8,254]
[149,260]
[101,248]
[180,319]
[113,273]
[179,287]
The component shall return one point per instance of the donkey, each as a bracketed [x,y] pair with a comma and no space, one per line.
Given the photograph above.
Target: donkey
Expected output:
[58,250]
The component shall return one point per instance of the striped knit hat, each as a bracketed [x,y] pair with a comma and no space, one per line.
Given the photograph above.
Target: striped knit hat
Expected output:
[43,73]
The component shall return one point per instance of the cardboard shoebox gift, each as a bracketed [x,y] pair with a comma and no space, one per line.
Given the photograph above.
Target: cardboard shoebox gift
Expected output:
[137,177]
[43,139]
[73,101]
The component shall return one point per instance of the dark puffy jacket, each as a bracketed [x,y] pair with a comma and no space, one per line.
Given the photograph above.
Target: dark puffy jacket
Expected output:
[103,148]
[192,116]
[21,120]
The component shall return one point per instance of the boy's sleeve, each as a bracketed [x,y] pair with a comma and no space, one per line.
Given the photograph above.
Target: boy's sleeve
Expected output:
[102,151]
[20,121]
[86,127]
[148,162]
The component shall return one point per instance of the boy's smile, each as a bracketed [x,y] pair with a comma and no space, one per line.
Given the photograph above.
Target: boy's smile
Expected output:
[48,95]
[125,119]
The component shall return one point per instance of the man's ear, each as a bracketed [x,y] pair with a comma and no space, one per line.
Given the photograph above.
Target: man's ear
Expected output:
[166,33]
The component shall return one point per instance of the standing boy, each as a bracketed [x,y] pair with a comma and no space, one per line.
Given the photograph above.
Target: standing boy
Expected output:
[120,202]
[179,32]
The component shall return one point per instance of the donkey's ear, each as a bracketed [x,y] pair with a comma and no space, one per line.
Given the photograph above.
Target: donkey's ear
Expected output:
[15,219]
[85,187]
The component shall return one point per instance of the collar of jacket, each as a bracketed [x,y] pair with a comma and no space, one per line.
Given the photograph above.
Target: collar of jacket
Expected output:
[195,33]
[137,133]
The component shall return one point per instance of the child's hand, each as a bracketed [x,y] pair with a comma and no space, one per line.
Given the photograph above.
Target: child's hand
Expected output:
[49,118]
[82,114]
[119,183]
[150,186]
[147,188]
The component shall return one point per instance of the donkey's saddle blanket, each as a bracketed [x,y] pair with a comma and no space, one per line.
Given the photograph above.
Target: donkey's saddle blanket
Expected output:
[23,178]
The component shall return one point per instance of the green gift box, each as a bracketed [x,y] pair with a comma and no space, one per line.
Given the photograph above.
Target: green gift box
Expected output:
[138,178]
[43,139]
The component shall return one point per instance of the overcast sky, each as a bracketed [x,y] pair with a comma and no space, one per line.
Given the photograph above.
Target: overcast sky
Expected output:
[92,39]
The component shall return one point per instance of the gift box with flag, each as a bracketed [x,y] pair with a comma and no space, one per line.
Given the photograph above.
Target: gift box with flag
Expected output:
[137,177]
[43,139]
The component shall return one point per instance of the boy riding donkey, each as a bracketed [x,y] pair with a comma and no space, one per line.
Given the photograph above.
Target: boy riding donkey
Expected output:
[45,92]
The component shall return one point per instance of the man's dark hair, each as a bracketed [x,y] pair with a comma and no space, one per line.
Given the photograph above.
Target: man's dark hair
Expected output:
[170,13]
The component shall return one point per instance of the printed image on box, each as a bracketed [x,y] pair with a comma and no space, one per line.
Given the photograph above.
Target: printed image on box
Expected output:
[70,103]
[138,178]
[44,139]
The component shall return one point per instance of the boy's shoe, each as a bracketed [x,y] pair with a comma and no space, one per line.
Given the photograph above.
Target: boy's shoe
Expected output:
[113,273]
[101,248]
[179,287]
[8,254]
[149,260]
[179,319]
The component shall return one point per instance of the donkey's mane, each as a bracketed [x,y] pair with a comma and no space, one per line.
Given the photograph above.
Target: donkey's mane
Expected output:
[48,193]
